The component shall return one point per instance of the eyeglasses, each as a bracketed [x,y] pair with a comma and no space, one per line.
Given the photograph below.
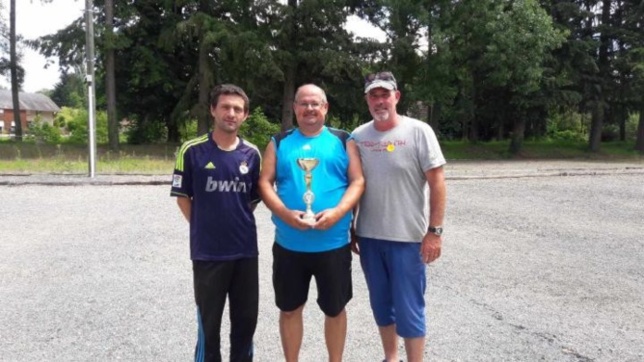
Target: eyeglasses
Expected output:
[314,105]
[386,76]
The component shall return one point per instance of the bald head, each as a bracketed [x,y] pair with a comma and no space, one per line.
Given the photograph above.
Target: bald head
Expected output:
[310,107]
[310,89]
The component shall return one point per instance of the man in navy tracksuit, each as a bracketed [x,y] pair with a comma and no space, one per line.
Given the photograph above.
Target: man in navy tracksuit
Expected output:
[215,182]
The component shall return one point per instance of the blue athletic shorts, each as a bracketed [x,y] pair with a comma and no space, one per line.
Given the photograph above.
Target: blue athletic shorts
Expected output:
[395,275]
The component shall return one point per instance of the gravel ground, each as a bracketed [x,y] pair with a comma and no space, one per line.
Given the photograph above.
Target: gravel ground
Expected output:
[541,261]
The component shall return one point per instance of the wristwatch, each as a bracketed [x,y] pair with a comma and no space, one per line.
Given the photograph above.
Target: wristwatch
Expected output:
[437,230]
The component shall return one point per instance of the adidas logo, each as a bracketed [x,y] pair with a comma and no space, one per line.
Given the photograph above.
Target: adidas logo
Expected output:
[210,166]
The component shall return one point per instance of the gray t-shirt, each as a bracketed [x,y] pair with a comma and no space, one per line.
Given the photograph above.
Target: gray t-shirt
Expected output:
[395,205]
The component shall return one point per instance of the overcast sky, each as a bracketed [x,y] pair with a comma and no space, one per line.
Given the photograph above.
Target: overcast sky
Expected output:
[35,19]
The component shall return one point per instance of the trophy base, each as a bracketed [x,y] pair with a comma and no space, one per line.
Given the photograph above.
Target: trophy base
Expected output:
[309,218]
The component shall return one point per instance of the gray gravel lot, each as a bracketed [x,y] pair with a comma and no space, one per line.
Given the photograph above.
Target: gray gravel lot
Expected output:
[541,262]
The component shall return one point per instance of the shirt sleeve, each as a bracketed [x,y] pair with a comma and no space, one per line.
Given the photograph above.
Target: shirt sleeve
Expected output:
[182,175]
[430,153]
[254,192]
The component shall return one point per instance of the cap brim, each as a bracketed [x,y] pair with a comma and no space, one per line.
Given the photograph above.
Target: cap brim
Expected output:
[380,84]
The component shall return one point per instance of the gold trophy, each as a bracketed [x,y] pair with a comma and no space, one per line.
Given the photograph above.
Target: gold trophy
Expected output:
[307,165]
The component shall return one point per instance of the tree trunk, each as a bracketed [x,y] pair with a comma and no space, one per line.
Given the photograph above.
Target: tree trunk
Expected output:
[173,133]
[202,109]
[15,86]
[622,114]
[596,125]
[518,134]
[599,109]
[474,129]
[432,120]
[639,138]
[110,87]
[288,98]
[434,115]
[499,131]
[474,122]
[469,108]
[498,124]
[290,70]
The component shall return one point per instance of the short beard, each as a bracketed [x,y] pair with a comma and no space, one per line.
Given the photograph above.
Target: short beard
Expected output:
[380,116]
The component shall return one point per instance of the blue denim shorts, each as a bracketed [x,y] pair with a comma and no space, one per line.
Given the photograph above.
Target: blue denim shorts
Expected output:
[395,275]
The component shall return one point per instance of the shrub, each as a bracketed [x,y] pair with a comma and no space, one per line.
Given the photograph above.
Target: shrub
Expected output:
[258,129]
[610,132]
[631,126]
[566,135]
[188,130]
[145,131]
[569,126]
[78,126]
[43,132]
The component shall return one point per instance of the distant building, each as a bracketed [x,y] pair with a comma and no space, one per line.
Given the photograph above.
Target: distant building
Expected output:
[32,105]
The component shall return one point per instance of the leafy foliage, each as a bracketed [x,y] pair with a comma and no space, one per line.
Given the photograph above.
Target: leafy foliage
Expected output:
[258,129]
[76,123]
[70,91]
[475,70]
[43,132]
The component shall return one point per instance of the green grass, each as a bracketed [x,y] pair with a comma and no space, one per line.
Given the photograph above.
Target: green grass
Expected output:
[130,166]
[28,157]
[539,150]
[463,150]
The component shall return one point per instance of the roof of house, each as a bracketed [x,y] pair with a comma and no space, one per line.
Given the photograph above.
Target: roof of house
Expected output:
[28,101]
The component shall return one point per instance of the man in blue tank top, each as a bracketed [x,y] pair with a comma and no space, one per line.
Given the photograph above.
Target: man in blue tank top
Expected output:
[317,244]
[215,182]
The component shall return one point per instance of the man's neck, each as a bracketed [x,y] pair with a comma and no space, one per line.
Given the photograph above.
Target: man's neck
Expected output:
[225,141]
[311,131]
[383,126]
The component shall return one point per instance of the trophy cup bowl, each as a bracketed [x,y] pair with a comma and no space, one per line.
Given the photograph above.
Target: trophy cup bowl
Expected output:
[307,165]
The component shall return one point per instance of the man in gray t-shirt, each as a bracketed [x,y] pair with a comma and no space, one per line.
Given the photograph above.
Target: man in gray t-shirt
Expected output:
[400,216]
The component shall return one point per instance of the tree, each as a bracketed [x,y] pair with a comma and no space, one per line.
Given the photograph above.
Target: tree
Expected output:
[290,62]
[154,66]
[596,65]
[229,42]
[70,91]
[68,46]
[522,38]
[312,46]
[17,73]
[403,23]
[639,138]
[488,63]
[633,66]
[488,69]
[602,83]
[5,49]
[110,87]
[168,56]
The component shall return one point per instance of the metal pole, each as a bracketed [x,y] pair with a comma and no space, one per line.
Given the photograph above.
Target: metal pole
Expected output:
[89,32]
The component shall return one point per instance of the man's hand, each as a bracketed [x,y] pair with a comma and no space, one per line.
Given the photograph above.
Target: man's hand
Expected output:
[325,219]
[295,218]
[430,249]
[355,247]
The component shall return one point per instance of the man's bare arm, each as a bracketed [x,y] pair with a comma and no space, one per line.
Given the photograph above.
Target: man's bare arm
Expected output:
[329,217]
[185,205]
[270,197]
